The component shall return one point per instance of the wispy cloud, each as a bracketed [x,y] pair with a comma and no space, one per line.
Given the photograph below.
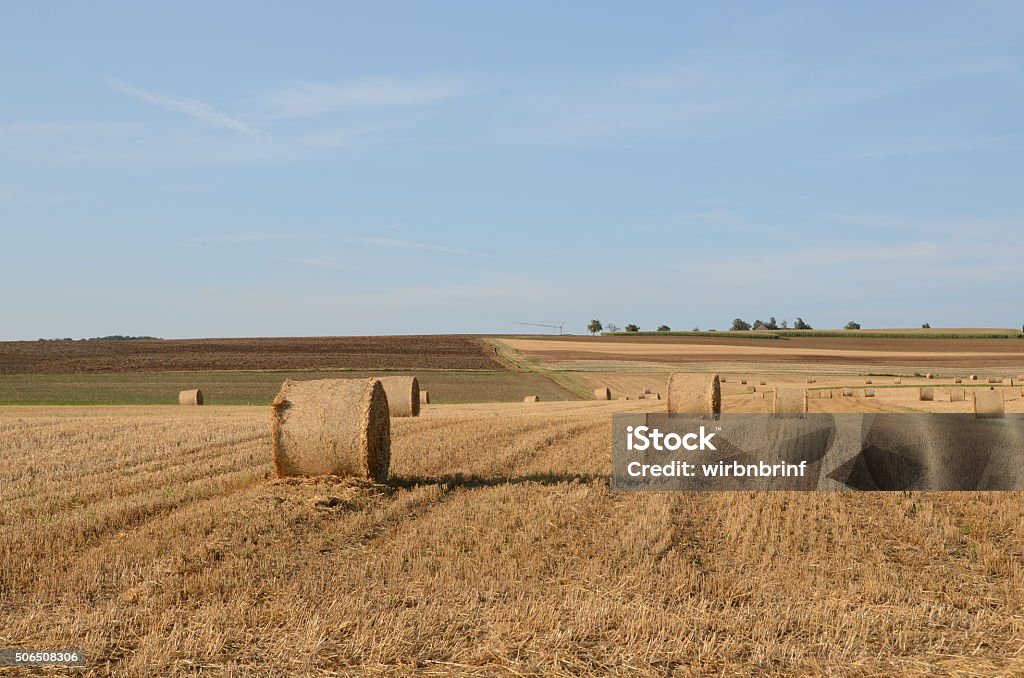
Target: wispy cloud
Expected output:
[425,247]
[191,107]
[307,99]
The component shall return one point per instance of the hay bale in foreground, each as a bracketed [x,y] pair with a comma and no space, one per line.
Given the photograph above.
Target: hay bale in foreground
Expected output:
[331,427]
[424,397]
[191,397]
[926,393]
[531,399]
[956,395]
[403,395]
[790,402]
[988,403]
[602,393]
[695,394]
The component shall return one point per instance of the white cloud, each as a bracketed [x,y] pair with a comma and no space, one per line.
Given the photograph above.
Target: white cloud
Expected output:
[190,107]
[307,99]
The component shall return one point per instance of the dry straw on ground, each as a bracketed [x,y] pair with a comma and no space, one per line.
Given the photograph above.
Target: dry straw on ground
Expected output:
[331,427]
[403,395]
[695,394]
[531,399]
[602,393]
[988,403]
[190,397]
[424,397]
[790,402]
[926,393]
[956,394]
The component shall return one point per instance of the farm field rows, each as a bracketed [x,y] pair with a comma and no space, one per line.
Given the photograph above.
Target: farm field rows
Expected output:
[156,539]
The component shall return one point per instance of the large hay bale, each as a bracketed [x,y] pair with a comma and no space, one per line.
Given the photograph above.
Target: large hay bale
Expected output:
[956,395]
[926,393]
[790,402]
[699,395]
[331,427]
[191,397]
[403,395]
[602,393]
[424,397]
[988,403]
[531,399]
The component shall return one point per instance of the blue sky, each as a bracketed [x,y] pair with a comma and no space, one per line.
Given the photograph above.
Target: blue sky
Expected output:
[325,168]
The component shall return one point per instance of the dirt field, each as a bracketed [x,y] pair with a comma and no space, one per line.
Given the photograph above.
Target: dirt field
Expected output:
[995,353]
[453,352]
[155,539]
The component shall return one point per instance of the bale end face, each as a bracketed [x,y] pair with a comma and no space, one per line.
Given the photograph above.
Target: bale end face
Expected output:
[956,395]
[424,397]
[699,395]
[191,397]
[926,393]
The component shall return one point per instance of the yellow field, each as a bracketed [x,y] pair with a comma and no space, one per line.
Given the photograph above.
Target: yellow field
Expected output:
[156,539]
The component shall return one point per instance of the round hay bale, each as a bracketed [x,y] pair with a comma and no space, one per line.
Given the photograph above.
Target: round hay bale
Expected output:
[811,380]
[956,395]
[973,377]
[867,381]
[826,395]
[424,397]
[646,391]
[623,397]
[1007,382]
[695,394]
[869,393]
[531,399]
[847,392]
[926,393]
[988,403]
[602,393]
[191,397]
[743,382]
[331,427]
[653,396]
[790,402]
[929,376]
[403,395]
[993,380]
[897,380]
[763,382]
[958,380]
[722,379]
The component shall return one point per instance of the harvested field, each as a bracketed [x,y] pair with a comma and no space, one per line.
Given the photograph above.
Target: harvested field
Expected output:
[156,539]
[451,352]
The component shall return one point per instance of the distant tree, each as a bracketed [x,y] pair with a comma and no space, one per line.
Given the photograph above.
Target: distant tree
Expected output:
[594,327]
[771,324]
[925,326]
[852,326]
[632,328]
[696,329]
[784,325]
[799,324]
[740,325]
[664,328]
[612,327]
[757,323]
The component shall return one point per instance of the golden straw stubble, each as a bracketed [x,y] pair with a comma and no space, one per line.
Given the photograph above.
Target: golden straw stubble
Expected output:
[331,427]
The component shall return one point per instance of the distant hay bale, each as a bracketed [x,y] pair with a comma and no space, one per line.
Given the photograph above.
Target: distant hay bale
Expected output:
[331,427]
[867,381]
[958,380]
[790,402]
[929,376]
[531,399]
[869,393]
[403,395]
[641,395]
[623,397]
[646,391]
[763,382]
[1007,382]
[602,393]
[811,380]
[424,397]
[695,394]
[847,392]
[988,403]
[926,393]
[994,380]
[897,380]
[956,395]
[973,377]
[654,396]
[191,397]
[722,379]
[743,382]
[1020,378]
